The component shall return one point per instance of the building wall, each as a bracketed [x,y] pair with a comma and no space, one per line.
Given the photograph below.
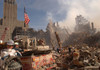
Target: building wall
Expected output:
[10,19]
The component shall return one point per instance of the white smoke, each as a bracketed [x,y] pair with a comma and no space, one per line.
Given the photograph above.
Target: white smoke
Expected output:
[68,10]
[87,8]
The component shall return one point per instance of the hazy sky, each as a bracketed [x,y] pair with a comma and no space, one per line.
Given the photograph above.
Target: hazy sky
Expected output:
[63,11]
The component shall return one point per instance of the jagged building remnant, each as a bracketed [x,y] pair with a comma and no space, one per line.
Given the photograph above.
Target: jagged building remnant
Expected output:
[92,28]
[83,25]
[51,32]
[81,20]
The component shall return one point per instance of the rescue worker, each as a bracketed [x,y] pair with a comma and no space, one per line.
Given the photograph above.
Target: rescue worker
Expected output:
[9,51]
[58,50]
[70,49]
[18,49]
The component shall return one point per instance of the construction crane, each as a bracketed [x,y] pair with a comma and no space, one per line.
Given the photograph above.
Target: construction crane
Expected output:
[4,33]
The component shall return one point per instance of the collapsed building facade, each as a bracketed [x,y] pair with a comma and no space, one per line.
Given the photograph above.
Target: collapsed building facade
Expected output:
[49,35]
[85,33]
[83,25]
[83,29]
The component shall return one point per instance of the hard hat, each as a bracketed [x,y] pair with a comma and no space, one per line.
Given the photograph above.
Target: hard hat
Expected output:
[10,42]
[16,43]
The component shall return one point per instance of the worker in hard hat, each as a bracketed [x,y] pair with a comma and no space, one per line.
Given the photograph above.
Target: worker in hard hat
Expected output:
[18,49]
[9,51]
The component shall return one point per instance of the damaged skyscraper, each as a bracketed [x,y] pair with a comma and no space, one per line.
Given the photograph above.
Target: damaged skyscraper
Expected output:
[83,25]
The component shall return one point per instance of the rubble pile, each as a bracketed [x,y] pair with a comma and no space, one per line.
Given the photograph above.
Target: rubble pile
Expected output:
[81,51]
[79,57]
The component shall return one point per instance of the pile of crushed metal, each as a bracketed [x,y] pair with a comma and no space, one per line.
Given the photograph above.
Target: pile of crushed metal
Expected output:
[78,57]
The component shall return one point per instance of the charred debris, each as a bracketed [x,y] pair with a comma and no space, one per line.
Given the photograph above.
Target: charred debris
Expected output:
[84,33]
[81,49]
[78,49]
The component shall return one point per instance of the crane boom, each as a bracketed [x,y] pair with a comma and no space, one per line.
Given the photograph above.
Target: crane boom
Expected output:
[58,40]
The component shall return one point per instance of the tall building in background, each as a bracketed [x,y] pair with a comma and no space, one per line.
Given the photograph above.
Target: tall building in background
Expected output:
[10,20]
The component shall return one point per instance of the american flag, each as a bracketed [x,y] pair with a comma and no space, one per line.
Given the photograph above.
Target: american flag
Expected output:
[26,17]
